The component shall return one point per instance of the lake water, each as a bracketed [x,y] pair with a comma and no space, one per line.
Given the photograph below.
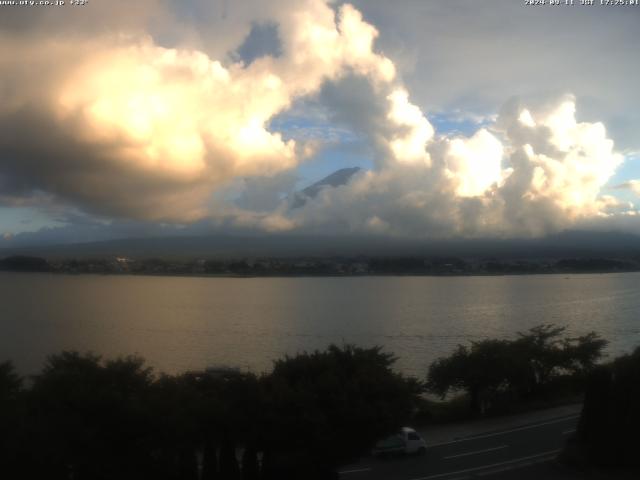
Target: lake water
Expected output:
[181,323]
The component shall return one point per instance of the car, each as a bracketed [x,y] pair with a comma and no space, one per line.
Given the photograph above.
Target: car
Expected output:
[406,442]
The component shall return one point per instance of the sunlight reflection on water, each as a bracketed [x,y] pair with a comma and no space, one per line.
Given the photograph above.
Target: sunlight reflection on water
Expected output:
[180,323]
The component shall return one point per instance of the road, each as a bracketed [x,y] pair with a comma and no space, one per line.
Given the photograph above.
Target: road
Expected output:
[472,456]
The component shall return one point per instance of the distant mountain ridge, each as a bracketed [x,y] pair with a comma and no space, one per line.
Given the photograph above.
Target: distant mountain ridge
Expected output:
[336,179]
[570,244]
[201,242]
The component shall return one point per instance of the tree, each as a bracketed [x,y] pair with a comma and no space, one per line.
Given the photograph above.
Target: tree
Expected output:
[226,409]
[21,263]
[514,369]
[326,408]
[176,407]
[582,353]
[88,419]
[10,383]
[540,357]
[610,420]
[10,420]
[481,370]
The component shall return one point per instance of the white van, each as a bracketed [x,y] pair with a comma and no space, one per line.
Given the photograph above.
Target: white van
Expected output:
[406,442]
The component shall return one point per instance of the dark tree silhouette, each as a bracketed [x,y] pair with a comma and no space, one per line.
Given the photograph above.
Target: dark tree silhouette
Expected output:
[479,370]
[10,383]
[229,412]
[85,418]
[523,368]
[329,407]
[11,431]
[21,263]
[88,420]
[607,433]
[250,466]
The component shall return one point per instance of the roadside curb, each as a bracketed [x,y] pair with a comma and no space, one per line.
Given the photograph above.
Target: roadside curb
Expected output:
[503,430]
[487,470]
[452,433]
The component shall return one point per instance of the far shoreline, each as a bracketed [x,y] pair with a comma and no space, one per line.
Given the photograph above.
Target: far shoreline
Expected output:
[336,276]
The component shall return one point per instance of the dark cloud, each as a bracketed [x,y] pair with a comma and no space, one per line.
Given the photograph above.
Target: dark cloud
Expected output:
[262,41]
[264,194]
[39,155]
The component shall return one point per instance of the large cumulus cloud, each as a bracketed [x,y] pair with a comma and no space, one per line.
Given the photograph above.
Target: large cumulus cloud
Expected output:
[157,123]
[126,127]
[536,172]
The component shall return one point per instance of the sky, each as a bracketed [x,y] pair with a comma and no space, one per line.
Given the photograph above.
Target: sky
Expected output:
[468,119]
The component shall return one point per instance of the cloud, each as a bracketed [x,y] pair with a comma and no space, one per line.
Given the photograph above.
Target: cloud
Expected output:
[475,163]
[263,194]
[541,171]
[469,55]
[129,128]
[633,185]
[132,129]
[154,121]
[559,165]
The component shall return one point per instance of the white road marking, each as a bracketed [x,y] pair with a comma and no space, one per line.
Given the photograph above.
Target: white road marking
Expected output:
[568,432]
[493,465]
[476,452]
[502,432]
[368,469]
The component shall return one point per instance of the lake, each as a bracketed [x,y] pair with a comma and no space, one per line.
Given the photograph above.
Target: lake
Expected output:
[182,323]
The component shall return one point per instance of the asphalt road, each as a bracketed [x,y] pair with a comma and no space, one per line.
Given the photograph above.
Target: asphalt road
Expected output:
[473,456]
